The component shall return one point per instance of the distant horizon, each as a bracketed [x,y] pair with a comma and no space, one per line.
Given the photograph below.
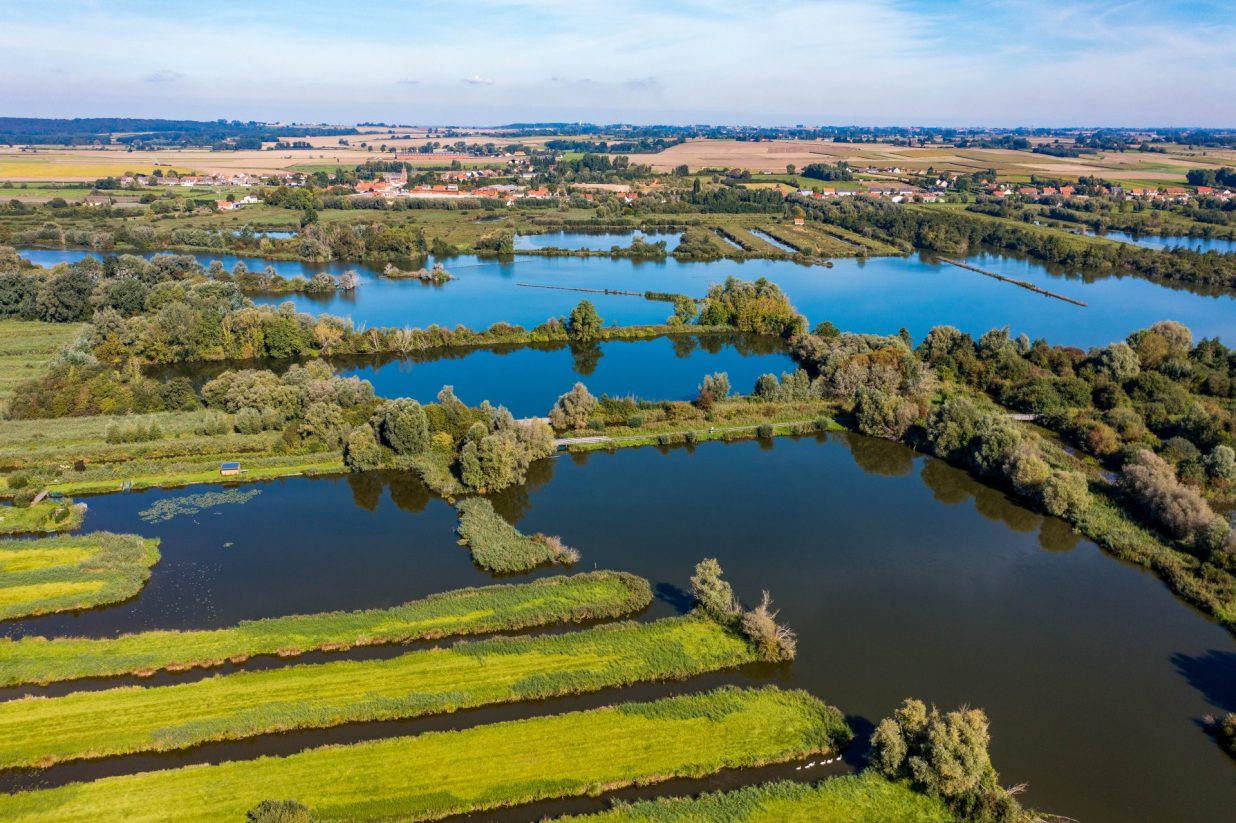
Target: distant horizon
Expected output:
[1005,63]
[395,124]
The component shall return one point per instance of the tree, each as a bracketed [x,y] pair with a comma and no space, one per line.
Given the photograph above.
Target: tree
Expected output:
[65,297]
[584,322]
[713,595]
[403,426]
[718,385]
[1065,494]
[362,452]
[945,756]
[881,414]
[572,410]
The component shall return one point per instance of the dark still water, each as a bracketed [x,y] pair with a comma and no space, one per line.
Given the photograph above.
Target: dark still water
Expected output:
[528,380]
[880,295]
[901,575]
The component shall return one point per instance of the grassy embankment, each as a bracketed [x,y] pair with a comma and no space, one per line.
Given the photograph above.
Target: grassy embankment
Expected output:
[434,775]
[862,798]
[182,457]
[591,596]
[461,228]
[499,547]
[740,418]
[56,574]
[42,731]
[25,346]
[43,517]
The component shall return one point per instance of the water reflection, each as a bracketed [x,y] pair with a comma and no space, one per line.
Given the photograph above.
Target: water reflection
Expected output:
[878,295]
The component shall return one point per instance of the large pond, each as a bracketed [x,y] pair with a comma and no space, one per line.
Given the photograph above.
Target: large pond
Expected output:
[901,575]
[1155,241]
[879,295]
[527,380]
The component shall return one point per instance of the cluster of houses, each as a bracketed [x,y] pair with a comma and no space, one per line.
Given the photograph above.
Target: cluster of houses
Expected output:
[285,178]
[894,192]
[1169,194]
[395,185]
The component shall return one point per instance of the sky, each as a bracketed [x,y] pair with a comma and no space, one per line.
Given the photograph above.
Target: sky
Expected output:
[763,62]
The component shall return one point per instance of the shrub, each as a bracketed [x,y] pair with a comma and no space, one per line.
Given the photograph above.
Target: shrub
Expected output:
[881,414]
[1151,482]
[248,421]
[362,452]
[1027,470]
[764,431]
[1066,494]
[759,307]
[945,756]
[635,421]
[773,641]
[718,385]
[280,811]
[572,410]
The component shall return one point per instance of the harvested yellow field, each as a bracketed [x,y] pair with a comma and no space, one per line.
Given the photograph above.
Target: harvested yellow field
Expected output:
[774,155]
[71,167]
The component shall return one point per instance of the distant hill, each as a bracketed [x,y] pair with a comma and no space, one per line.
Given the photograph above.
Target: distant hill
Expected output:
[81,131]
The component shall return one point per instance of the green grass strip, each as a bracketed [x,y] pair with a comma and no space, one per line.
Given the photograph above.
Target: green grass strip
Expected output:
[434,775]
[500,547]
[55,574]
[39,731]
[860,798]
[592,596]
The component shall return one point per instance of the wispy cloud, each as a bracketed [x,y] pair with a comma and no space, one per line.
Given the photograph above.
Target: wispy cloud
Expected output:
[649,83]
[816,61]
[164,76]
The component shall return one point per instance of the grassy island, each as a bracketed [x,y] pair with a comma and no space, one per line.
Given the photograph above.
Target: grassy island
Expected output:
[590,596]
[861,798]
[42,731]
[56,574]
[486,767]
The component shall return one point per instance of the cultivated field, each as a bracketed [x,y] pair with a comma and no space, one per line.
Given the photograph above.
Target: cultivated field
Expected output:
[774,155]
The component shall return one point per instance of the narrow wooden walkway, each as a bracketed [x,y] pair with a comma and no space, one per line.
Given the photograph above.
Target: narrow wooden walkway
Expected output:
[1025,284]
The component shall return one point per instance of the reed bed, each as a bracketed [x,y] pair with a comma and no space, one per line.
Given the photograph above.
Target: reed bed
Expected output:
[431,776]
[599,595]
[56,574]
[40,731]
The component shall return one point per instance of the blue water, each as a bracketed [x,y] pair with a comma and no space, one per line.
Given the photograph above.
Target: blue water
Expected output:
[878,295]
[589,240]
[528,381]
[772,241]
[1154,241]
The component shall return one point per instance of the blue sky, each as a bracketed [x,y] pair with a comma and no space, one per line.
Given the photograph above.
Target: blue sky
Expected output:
[926,62]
